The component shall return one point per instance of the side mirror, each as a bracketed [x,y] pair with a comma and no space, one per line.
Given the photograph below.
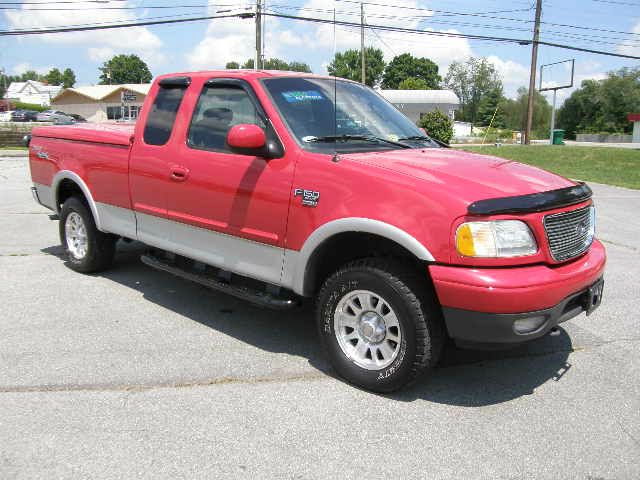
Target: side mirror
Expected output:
[423,130]
[247,138]
[26,140]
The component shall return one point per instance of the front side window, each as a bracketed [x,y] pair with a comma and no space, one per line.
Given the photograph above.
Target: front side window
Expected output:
[163,114]
[334,115]
[219,108]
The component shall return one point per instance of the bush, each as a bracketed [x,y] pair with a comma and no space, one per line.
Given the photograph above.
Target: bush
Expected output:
[28,106]
[438,125]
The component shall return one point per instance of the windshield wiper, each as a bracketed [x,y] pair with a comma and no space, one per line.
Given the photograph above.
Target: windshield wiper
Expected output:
[369,138]
[415,137]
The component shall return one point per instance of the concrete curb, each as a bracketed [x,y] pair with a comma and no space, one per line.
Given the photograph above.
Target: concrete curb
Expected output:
[14,153]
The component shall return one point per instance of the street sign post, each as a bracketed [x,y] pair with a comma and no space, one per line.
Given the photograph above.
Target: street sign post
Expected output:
[556,76]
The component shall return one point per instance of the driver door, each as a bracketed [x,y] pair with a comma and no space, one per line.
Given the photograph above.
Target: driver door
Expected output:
[230,209]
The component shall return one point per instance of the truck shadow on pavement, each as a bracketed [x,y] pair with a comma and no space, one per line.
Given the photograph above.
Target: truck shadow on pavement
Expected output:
[464,378]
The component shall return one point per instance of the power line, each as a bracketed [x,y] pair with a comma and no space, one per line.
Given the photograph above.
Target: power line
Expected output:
[521,41]
[44,31]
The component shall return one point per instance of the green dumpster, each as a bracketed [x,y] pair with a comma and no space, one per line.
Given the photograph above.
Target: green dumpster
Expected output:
[558,137]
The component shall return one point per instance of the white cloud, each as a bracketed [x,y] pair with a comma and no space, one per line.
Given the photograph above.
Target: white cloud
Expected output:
[100,54]
[627,47]
[139,40]
[514,75]
[20,68]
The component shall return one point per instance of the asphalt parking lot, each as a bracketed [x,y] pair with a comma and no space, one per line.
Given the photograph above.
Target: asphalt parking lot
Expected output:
[136,374]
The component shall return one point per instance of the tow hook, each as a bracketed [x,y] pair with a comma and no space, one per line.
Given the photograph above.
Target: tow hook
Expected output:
[554,332]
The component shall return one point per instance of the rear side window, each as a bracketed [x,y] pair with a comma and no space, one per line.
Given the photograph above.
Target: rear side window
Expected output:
[163,114]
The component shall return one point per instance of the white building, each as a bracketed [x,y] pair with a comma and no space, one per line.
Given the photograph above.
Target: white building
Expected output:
[415,103]
[33,92]
[103,103]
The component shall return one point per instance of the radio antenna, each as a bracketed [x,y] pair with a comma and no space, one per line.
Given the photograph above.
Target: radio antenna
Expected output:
[335,92]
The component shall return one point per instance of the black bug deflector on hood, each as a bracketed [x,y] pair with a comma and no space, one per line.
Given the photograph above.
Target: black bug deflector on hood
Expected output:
[533,202]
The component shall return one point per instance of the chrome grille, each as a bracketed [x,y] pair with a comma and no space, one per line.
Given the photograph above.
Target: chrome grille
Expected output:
[569,233]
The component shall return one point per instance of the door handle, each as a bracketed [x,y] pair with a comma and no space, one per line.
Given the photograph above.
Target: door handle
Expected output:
[179,174]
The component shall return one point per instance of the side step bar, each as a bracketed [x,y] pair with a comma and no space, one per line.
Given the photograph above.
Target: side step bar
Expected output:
[253,295]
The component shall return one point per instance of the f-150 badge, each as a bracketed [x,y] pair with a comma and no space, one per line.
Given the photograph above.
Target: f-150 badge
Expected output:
[310,198]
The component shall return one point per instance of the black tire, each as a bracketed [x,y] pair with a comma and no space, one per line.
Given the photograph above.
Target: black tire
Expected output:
[413,301]
[100,248]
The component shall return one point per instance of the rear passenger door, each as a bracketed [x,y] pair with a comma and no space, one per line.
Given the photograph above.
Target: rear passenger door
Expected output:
[235,205]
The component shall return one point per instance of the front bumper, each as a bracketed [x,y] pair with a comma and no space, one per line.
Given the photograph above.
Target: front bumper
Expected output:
[481,305]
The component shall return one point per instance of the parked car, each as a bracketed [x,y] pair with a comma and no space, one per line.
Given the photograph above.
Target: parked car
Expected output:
[24,116]
[6,116]
[260,185]
[53,116]
[77,118]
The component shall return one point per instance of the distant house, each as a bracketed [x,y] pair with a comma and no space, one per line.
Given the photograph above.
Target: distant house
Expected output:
[103,103]
[31,91]
[415,103]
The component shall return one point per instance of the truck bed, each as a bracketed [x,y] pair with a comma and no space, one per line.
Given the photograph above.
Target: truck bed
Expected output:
[109,133]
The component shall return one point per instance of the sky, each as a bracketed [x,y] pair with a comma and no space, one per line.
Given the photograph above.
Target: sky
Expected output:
[208,45]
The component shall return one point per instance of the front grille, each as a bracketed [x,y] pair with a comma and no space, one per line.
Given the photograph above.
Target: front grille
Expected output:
[569,233]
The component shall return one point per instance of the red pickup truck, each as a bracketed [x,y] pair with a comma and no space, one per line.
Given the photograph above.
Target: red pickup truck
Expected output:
[275,186]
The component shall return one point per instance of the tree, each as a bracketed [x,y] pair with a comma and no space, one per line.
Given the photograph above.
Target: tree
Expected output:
[124,69]
[601,106]
[54,77]
[437,125]
[492,108]
[412,83]
[68,78]
[348,64]
[471,81]
[515,113]
[31,75]
[273,64]
[406,66]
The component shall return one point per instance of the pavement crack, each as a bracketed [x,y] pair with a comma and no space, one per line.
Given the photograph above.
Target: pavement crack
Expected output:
[142,387]
[621,245]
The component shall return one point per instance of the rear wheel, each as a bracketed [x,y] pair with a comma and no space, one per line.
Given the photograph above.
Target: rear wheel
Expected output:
[88,249]
[379,323]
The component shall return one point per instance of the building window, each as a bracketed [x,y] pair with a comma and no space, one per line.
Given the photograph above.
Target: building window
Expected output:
[114,113]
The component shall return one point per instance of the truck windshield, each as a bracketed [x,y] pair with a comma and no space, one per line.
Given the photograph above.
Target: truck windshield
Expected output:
[360,120]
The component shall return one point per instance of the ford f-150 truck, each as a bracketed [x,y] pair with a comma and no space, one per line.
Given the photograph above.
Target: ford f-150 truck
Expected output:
[275,186]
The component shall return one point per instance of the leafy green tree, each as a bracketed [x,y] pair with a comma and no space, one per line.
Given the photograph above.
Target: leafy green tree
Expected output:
[124,69]
[273,64]
[54,77]
[348,64]
[31,75]
[471,81]
[515,113]
[602,106]
[492,107]
[299,67]
[406,66]
[68,78]
[232,66]
[438,125]
[412,83]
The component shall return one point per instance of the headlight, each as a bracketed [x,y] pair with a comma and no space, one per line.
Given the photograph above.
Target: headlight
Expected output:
[498,238]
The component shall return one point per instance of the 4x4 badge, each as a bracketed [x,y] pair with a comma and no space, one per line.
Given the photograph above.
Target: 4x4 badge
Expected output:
[310,198]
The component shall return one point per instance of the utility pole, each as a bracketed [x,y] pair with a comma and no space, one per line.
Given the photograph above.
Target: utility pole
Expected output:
[532,78]
[362,41]
[258,63]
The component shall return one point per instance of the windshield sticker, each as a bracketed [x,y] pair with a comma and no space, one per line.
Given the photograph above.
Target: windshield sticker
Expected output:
[302,96]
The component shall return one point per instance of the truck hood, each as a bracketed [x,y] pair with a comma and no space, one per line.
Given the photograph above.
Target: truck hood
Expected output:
[467,176]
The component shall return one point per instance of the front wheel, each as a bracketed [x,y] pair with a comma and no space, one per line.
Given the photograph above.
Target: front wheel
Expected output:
[379,323]
[88,249]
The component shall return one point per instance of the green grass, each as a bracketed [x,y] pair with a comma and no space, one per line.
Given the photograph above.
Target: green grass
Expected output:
[614,166]
[13,148]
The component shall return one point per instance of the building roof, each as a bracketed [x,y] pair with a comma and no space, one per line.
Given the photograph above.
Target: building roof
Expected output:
[99,92]
[16,88]
[421,96]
